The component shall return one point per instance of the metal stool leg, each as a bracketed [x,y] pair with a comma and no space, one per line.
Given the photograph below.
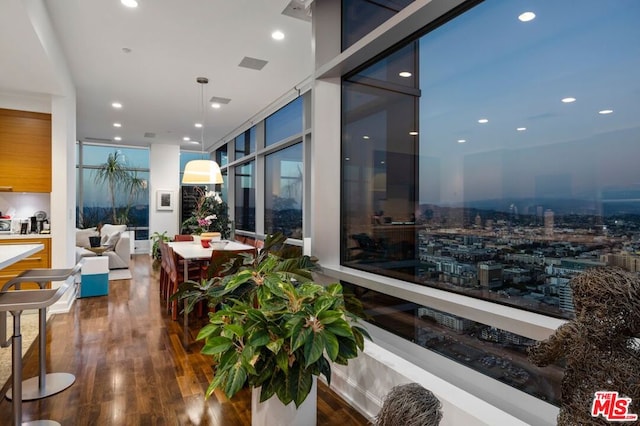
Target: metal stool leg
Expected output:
[45,384]
[16,362]
[16,302]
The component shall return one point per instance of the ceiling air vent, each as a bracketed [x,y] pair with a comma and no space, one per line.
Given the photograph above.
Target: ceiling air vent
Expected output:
[219,100]
[252,63]
[90,139]
[149,135]
[299,9]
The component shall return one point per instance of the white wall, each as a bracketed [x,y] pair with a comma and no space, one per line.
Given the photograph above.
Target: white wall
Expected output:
[164,165]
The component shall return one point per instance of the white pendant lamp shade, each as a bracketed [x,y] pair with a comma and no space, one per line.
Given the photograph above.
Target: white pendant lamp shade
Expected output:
[202,172]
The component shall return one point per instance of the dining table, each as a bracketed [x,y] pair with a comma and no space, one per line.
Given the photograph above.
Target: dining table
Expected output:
[191,251]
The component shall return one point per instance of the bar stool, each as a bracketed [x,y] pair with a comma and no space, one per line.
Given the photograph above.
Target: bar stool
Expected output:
[16,302]
[45,384]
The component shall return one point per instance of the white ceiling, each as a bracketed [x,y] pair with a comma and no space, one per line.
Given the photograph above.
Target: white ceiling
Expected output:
[172,42]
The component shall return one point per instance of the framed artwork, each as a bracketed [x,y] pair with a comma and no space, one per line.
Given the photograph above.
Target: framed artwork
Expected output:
[165,199]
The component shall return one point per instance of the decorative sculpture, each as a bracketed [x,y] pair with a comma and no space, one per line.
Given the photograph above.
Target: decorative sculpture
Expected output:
[409,405]
[599,349]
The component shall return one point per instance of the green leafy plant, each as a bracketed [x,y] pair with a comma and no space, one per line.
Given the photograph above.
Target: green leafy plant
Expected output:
[274,327]
[156,237]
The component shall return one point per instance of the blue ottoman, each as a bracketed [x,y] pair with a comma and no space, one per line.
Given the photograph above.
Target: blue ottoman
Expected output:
[94,276]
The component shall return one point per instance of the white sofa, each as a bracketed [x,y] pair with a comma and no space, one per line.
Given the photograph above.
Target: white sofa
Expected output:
[114,236]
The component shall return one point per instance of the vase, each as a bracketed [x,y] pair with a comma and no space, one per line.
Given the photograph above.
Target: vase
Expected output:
[196,239]
[95,241]
[265,413]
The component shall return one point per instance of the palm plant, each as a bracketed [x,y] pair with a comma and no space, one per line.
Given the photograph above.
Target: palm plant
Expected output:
[133,186]
[274,328]
[114,174]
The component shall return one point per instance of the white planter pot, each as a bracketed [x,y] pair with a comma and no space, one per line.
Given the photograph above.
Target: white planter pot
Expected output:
[273,412]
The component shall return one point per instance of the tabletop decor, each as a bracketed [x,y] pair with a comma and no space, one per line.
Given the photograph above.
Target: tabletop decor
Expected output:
[210,214]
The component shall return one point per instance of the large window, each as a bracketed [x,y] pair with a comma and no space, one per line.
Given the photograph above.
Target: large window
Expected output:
[245,197]
[245,143]
[498,168]
[221,155]
[286,122]
[283,192]
[113,187]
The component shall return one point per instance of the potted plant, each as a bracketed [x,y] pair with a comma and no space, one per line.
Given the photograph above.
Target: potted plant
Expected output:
[96,240]
[156,237]
[210,214]
[273,327]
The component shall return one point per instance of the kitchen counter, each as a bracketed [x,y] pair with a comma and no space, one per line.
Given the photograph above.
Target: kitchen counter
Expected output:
[22,236]
[11,253]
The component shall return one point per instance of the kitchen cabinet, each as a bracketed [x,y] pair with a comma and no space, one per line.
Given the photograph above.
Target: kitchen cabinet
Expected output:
[25,141]
[41,259]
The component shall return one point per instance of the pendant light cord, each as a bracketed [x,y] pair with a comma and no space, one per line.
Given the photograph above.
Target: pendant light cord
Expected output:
[202,81]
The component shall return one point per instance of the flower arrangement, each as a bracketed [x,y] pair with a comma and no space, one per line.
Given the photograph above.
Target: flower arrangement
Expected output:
[210,214]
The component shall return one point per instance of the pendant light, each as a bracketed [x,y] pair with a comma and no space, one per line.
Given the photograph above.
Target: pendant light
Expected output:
[202,172]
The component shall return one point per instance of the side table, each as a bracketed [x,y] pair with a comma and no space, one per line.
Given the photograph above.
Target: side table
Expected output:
[99,250]
[94,276]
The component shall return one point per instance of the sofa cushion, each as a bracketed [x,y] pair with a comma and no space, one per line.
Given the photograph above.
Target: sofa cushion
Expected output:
[108,229]
[82,236]
[111,240]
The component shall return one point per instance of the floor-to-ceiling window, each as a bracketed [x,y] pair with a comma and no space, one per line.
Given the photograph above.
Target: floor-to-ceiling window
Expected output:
[267,172]
[283,192]
[245,197]
[112,187]
[494,156]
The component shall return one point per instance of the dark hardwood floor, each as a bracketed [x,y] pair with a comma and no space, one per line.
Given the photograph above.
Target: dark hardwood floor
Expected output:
[131,368]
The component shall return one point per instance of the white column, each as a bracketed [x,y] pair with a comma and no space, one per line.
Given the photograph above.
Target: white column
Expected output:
[164,166]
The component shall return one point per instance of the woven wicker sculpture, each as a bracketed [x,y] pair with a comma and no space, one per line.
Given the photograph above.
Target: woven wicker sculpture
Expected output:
[409,405]
[598,347]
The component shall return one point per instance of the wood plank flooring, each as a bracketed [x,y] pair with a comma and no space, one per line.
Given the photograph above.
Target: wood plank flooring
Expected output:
[131,368]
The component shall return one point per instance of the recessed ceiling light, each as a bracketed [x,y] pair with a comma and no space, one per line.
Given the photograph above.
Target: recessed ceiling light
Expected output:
[568,100]
[405,74]
[117,138]
[527,16]
[366,137]
[605,111]
[277,35]
[195,142]
[117,125]
[198,125]
[116,105]
[521,129]
[347,158]
[483,121]
[462,140]
[186,138]
[129,3]
[381,162]
[215,105]
[414,133]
